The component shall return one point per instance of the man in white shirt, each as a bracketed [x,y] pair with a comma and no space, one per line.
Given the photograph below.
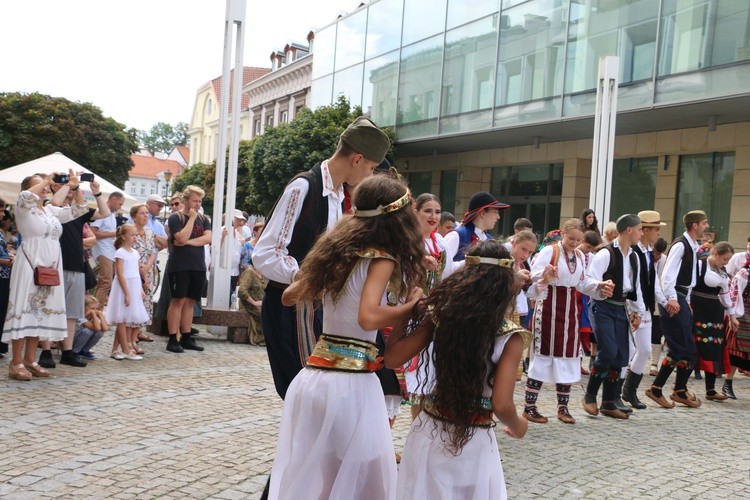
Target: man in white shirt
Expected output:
[103,252]
[614,317]
[678,278]
[310,204]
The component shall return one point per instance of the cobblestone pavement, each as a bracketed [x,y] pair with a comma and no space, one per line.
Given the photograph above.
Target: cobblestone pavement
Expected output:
[203,425]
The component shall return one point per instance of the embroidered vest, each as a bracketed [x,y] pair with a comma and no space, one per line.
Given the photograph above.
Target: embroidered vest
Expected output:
[685,276]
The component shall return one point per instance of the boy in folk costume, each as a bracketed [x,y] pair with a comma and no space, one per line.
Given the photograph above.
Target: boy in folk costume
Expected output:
[619,263]
[651,288]
[558,274]
[677,279]
[311,203]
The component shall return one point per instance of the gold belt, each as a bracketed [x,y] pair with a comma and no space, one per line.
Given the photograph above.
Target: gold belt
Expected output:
[481,418]
[345,354]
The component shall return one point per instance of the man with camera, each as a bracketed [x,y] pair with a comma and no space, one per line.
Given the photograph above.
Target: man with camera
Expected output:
[71,246]
[105,231]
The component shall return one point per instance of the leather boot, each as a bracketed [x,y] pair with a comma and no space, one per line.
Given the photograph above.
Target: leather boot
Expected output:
[618,400]
[630,390]
[187,342]
[609,394]
[727,389]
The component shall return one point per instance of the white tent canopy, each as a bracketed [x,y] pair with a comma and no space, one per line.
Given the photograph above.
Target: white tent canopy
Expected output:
[10,178]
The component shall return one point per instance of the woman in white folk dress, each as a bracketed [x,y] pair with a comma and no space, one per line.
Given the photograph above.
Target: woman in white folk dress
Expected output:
[334,441]
[37,312]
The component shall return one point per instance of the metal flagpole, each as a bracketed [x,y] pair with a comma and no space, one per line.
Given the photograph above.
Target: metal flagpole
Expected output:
[604,137]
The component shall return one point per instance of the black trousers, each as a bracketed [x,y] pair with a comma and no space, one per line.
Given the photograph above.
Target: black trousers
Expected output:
[280,330]
[678,331]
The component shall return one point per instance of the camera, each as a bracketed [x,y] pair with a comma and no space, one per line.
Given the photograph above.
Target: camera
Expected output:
[87,177]
[61,178]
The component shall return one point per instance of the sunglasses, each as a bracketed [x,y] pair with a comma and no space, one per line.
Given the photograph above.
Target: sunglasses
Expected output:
[175,204]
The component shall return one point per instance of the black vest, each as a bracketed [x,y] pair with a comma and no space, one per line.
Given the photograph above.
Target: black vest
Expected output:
[700,282]
[685,276]
[313,219]
[615,272]
[648,278]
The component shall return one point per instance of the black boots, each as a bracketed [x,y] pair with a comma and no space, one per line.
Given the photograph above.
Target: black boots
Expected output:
[45,359]
[173,345]
[617,401]
[630,390]
[727,389]
[187,342]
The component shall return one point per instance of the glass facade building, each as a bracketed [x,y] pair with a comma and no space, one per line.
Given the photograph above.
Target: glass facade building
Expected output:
[461,75]
[434,67]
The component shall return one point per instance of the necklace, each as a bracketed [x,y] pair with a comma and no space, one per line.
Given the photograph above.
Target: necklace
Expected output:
[570,261]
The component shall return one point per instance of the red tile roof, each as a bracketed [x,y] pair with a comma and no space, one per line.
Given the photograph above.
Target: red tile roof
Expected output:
[249,74]
[149,167]
[185,152]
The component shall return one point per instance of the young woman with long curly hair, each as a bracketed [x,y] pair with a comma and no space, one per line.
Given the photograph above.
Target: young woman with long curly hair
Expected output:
[334,441]
[451,451]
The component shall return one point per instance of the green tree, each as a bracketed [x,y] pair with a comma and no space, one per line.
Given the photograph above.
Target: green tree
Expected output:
[164,136]
[36,125]
[202,175]
[272,159]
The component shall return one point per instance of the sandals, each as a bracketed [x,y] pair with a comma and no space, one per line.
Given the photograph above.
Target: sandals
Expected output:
[36,370]
[144,338]
[137,349]
[19,372]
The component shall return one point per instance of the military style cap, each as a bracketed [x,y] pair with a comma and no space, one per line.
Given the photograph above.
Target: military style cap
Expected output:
[694,216]
[364,137]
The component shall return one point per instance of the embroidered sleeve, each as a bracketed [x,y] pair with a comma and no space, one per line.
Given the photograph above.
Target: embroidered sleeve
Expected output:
[27,200]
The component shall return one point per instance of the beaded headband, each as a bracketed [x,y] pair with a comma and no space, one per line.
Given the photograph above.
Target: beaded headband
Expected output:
[402,202]
[475,260]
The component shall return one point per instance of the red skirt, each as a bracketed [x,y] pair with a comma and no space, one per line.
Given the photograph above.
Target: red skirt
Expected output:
[555,323]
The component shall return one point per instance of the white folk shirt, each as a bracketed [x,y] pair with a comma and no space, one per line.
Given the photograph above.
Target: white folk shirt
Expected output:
[736,262]
[736,289]
[672,268]
[565,277]
[271,256]
[599,266]
[714,279]
[452,241]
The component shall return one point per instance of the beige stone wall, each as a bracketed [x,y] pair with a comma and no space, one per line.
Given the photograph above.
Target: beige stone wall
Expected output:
[474,168]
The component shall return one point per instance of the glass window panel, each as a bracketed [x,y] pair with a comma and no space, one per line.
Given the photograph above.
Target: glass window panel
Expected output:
[633,186]
[423,19]
[555,188]
[419,82]
[448,181]
[321,92]
[730,27]
[350,40]
[324,49]
[463,11]
[349,83]
[553,219]
[529,180]
[532,37]
[380,89]
[499,182]
[384,27]
[705,183]
[420,182]
[596,29]
[469,71]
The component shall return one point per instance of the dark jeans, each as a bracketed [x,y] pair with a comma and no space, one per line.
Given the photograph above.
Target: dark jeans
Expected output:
[612,331]
[678,332]
[280,330]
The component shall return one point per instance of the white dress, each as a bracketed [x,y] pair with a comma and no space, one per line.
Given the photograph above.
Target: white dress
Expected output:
[334,439]
[117,311]
[429,470]
[38,311]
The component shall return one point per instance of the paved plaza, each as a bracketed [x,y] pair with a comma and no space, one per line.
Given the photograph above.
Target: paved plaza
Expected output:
[203,425]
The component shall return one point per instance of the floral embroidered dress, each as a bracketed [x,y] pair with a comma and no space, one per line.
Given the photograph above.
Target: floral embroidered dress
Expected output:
[145,247]
[38,311]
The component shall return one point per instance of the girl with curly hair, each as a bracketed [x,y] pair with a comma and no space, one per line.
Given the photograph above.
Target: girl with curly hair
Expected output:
[451,451]
[334,441]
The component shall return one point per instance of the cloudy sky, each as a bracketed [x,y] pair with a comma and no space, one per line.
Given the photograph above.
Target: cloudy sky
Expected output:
[140,61]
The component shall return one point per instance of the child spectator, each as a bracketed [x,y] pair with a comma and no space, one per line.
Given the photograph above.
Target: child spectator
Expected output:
[89,329]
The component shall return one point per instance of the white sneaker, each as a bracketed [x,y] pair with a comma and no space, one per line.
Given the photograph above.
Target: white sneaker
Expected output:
[117,355]
[133,357]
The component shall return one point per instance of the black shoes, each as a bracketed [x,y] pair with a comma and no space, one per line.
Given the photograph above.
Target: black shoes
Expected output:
[630,389]
[46,361]
[72,359]
[187,342]
[727,389]
[173,345]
